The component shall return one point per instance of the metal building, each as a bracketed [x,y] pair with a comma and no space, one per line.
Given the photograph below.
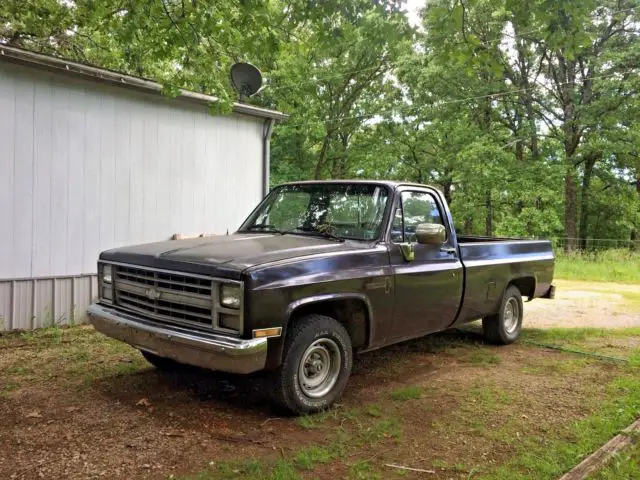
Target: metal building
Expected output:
[92,159]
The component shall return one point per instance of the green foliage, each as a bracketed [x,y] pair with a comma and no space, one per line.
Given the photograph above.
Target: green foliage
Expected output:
[522,113]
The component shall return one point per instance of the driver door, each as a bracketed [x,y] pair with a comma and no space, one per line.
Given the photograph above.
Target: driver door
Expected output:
[428,289]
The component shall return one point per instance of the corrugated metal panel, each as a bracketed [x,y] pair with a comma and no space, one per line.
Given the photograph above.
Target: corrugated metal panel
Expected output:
[22,305]
[94,167]
[36,303]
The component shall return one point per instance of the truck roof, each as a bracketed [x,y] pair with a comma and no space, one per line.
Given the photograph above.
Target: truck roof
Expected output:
[388,183]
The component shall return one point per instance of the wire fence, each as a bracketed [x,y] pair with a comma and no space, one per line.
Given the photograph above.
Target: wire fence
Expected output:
[595,244]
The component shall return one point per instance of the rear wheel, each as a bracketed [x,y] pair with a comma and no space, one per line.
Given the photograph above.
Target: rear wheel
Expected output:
[163,363]
[316,366]
[505,326]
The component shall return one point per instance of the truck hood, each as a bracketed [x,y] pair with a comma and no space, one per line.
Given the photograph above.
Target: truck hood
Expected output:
[225,255]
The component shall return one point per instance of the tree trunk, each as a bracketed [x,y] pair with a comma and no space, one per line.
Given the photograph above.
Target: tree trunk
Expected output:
[570,206]
[446,189]
[321,157]
[585,192]
[489,220]
[468,226]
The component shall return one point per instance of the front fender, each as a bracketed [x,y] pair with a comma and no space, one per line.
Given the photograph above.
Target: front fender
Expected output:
[276,345]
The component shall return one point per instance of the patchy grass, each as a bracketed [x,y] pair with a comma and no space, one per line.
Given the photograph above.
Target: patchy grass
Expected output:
[481,357]
[615,345]
[308,458]
[605,266]
[450,403]
[406,393]
[540,457]
[74,356]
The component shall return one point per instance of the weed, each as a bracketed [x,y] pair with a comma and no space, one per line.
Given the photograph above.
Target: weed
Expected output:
[8,388]
[406,393]
[308,458]
[310,422]
[389,428]
[373,411]
[283,470]
[362,470]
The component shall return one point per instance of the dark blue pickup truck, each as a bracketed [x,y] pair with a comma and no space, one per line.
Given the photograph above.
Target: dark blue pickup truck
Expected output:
[318,271]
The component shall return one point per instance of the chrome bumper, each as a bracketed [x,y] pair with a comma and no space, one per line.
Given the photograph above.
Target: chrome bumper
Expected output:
[202,349]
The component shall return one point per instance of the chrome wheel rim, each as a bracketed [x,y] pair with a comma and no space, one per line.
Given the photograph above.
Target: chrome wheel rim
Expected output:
[319,368]
[511,315]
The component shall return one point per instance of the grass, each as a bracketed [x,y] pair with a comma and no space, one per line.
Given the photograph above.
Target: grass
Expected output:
[74,355]
[362,470]
[308,458]
[548,457]
[481,356]
[621,344]
[406,393]
[624,465]
[605,266]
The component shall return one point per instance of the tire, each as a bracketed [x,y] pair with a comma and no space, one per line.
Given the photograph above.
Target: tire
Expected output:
[316,366]
[505,326]
[162,363]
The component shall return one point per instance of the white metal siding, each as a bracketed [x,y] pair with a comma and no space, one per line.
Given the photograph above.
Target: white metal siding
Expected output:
[86,167]
[35,303]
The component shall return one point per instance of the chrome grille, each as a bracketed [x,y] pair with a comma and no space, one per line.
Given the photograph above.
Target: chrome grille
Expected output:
[166,296]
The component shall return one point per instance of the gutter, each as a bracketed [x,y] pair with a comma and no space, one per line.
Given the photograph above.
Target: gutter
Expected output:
[267,130]
[101,75]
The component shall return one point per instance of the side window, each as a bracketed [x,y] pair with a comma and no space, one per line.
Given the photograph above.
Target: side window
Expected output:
[417,208]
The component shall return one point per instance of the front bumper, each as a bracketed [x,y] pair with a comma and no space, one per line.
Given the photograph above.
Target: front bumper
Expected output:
[201,349]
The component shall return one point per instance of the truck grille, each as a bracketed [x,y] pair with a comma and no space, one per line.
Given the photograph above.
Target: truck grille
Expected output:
[166,296]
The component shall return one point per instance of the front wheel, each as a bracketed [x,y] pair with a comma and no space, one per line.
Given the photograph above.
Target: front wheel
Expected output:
[505,326]
[316,366]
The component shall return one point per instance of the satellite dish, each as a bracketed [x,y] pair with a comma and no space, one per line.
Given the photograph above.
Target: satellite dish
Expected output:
[246,79]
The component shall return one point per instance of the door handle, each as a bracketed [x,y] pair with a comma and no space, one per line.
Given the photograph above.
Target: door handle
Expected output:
[449,250]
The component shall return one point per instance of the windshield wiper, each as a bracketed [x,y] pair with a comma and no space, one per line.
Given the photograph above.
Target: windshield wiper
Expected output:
[262,228]
[317,233]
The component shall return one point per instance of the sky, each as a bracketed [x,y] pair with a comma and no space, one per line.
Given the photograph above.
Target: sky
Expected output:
[412,7]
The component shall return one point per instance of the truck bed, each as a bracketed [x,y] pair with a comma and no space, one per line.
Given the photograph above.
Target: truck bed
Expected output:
[491,263]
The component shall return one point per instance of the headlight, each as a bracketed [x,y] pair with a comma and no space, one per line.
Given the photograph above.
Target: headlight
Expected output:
[230,296]
[106,274]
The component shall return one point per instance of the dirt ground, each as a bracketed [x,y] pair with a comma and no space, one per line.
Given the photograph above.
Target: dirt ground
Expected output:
[74,404]
[586,304]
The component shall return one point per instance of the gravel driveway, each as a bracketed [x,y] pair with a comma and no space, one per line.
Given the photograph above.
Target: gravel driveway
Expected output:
[586,304]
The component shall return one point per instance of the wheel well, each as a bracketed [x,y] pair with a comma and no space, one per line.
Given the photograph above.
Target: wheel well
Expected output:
[350,312]
[526,285]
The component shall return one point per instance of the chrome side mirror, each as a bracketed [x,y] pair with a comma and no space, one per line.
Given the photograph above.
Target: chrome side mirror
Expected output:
[431,234]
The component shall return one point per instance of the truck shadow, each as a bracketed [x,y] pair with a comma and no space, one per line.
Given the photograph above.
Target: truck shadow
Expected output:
[193,388]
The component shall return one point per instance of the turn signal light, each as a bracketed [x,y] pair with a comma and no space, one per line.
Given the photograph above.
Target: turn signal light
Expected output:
[267,332]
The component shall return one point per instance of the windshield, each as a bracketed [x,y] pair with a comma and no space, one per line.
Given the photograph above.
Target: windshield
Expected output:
[342,211]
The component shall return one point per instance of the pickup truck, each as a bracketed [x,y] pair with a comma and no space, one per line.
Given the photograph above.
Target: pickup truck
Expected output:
[319,271]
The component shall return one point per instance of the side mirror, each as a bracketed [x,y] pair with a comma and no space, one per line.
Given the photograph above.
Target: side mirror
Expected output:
[431,234]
